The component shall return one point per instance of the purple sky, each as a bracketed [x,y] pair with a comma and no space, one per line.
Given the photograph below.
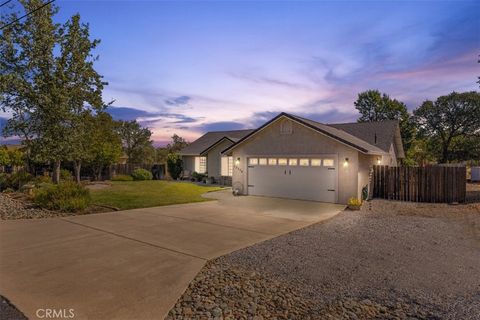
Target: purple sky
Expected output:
[191,67]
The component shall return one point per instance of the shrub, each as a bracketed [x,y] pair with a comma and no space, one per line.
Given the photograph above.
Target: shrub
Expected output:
[199,177]
[142,174]
[174,165]
[354,203]
[15,180]
[66,196]
[122,177]
[42,179]
[66,175]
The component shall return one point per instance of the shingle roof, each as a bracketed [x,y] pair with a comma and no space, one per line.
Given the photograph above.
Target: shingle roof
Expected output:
[337,134]
[379,134]
[210,138]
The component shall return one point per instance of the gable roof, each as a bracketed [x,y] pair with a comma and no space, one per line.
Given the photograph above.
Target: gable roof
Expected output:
[379,134]
[209,139]
[330,131]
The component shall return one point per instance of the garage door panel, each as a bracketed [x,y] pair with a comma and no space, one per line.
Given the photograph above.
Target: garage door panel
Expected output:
[316,183]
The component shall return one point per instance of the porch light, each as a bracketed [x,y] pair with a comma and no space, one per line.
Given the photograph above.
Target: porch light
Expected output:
[345,163]
[237,161]
[379,160]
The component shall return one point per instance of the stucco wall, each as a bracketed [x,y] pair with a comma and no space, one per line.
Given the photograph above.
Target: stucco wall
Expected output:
[301,142]
[188,163]
[214,158]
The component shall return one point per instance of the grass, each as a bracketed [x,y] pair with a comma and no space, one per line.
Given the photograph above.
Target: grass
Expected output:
[144,194]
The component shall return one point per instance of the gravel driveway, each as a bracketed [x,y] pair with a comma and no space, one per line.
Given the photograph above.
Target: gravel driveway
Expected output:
[390,260]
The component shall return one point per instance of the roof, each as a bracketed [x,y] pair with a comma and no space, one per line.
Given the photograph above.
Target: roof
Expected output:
[340,135]
[206,141]
[379,134]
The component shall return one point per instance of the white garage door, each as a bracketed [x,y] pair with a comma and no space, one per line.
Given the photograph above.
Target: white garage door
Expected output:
[294,178]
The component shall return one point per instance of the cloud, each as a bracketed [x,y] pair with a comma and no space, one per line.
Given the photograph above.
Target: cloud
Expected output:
[178,101]
[221,126]
[125,113]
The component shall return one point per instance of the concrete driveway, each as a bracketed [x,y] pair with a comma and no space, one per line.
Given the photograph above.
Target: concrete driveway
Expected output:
[135,264]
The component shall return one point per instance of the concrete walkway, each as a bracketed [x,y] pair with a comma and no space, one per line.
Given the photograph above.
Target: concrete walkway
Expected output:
[135,264]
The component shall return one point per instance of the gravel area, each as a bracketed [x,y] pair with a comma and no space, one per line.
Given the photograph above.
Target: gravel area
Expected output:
[392,260]
[14,206]
[9,312]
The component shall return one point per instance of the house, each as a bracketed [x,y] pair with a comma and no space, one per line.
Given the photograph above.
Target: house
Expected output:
[204,154]
[298,158]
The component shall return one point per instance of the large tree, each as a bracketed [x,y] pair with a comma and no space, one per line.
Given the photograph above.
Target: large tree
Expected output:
[48,83]
[375,106]
[449,120]
[136,142]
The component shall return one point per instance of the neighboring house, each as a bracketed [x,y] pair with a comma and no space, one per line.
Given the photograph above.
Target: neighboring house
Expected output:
[294,157]
[204,154]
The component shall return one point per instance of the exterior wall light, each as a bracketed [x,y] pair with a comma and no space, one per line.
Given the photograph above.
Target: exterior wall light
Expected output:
[237,161]
[379,160]
[345,163]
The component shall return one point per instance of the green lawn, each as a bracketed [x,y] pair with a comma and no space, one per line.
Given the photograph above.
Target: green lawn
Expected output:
[143,194]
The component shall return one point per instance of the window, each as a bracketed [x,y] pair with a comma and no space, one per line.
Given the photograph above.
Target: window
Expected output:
[328,163]
[230,166]
[252,161]
[292,162]
[203,165]
[316,162]
[262,161]
[304,162]
[272,161]
[286,127]
[282,161]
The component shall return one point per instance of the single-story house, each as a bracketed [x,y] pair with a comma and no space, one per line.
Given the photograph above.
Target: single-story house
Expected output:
[298,158]
[204,154]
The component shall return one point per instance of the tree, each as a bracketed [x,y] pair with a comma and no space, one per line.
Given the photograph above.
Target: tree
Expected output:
[4,156]
[105,143]
[27,62]
[174,165]
[375,106]
[84,87]
[48,83]
[178,143]
[455,116]
[135,141]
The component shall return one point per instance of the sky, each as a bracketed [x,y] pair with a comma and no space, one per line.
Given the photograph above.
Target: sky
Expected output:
[188,67]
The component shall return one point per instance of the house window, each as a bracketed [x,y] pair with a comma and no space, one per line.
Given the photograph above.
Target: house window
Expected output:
[252,161]
[316,162]
[272,161]
[282,161]
[202,168]
[304,162]
[262,161]
[230,166]
[286,127]
[328,162]
[292,162]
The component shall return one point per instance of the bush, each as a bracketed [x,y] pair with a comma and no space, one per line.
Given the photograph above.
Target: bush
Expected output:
[198,177]
[42,179]
[66,175]
[122,177]
[15,180]
[66,196]
[174,165]
[142,174]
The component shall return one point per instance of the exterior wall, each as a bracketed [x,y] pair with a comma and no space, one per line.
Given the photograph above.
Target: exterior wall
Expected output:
[391,158]
[365,162]
[214,161]
[188,163]
[301,142]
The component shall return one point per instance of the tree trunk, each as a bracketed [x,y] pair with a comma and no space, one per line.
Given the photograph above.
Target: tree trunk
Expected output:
[56,172]
[77,166]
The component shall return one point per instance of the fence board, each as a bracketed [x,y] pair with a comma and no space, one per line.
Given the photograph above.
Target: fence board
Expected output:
[419,184]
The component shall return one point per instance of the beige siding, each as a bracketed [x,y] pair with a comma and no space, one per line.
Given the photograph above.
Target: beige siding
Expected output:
[214,158]
[302,141]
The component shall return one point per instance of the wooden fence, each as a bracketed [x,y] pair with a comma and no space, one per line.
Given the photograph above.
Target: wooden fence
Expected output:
[419,184]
